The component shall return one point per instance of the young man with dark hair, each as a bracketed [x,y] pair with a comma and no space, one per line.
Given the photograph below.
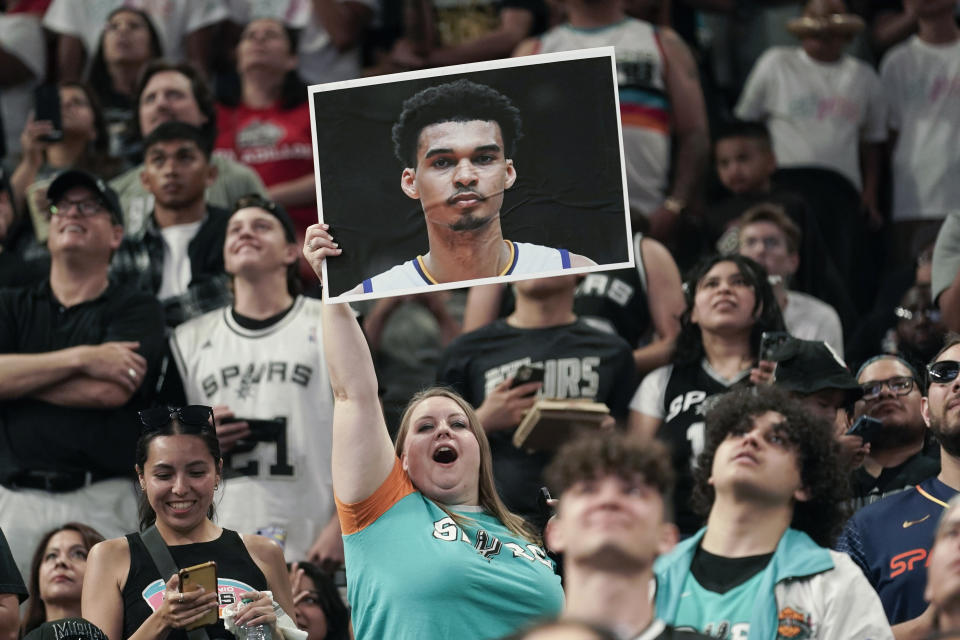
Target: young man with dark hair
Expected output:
[176,92]
[770,482]
[455,141]
[613,520]
[259,363]
[177,254]
[890,539]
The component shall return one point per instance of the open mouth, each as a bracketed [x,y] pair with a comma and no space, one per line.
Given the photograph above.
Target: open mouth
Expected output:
[444,455]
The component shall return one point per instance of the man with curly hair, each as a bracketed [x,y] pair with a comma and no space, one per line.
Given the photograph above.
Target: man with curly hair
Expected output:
[455,142]
[772,487]
[613,520]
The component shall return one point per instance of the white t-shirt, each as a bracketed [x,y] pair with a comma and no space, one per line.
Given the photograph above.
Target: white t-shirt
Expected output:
[174,20]
[817,113]
[809,318]
[320,60]
[284,487]
[922,85]
[645,108]
[22,38]
[176,262]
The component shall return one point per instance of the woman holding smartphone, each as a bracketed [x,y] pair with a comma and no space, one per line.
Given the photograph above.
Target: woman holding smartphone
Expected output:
[179,468]
[729,306]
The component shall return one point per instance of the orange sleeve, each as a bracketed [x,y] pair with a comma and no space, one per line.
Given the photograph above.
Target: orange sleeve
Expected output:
[359,515]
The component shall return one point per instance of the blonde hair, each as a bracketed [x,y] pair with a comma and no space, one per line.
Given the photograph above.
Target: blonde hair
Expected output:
[487,491]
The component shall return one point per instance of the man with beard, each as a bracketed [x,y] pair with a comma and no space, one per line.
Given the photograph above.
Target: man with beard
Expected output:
[891,539]
[456,141]
[613,520]
[891,394]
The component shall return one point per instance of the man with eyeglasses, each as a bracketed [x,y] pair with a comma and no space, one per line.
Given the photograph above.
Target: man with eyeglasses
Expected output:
[891,539]
[898,458]
[77,353]
[769,236]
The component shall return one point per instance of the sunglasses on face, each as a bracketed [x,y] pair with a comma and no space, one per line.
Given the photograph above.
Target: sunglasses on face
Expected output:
[944,371]
[899,385]
[194,415]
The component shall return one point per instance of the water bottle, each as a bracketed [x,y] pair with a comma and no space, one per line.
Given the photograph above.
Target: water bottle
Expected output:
[251,632]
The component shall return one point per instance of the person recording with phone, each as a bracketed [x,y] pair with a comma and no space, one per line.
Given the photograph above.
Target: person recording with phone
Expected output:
[179,468]
[729,305]
[899,456]
[66,131]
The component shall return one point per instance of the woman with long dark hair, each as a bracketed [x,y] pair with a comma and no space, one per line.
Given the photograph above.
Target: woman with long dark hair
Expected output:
[179,468]
[730,305]
[56,574]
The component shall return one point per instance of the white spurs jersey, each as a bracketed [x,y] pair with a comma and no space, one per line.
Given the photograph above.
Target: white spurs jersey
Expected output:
[282,487]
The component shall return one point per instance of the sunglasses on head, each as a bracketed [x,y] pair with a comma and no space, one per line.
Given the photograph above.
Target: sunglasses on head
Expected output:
[944,371]
[194,415]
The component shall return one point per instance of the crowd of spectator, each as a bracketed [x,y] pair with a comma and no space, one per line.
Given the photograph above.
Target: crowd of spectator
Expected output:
[781,365]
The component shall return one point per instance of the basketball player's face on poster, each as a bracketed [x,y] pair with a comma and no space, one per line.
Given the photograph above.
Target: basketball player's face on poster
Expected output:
[461,174]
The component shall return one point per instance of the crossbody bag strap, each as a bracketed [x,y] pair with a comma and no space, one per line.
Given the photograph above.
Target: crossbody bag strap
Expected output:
[160,554]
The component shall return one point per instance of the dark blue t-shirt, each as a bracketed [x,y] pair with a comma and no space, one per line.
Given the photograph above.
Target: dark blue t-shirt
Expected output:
[890,540]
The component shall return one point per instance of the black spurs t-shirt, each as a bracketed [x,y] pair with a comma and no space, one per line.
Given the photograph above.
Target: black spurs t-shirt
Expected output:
[579,362]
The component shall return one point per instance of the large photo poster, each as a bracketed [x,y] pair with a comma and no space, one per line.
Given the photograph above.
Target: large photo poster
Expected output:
[464,175]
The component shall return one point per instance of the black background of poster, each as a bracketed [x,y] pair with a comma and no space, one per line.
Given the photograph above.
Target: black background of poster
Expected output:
[568,193]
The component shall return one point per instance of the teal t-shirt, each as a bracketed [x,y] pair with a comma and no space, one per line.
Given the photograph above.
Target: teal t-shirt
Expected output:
[414,574]
[718,615]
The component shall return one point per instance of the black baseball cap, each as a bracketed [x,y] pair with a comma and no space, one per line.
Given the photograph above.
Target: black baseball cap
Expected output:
[70,178]
[67,629]
[808,366]
[275,209]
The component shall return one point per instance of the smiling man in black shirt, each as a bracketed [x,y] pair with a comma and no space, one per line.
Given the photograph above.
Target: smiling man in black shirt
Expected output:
[78,356]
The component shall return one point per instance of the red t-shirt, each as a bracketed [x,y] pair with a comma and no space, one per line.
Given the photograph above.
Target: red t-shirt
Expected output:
[274,142]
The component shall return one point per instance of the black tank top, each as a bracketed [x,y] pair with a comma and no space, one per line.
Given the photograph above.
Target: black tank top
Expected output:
[237,574]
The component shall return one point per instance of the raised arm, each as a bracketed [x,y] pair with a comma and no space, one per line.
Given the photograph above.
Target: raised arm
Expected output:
[665,300]
[362,452]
